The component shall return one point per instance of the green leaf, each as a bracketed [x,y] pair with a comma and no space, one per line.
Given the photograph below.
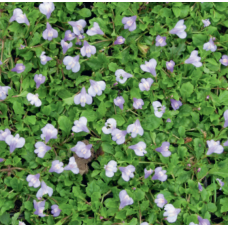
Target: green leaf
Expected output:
[186,89]
[85,12]
[181,131]
[107,148]
[199,39]
[16,184]
[5,218]
[90,115]
[113,67]
[151,122]
[71,6]
[65,124]
[224,203]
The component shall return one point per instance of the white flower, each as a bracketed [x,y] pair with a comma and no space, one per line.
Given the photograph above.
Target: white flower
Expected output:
[34,100]
[158,109]
[110,125]
[171,212]
[110,168]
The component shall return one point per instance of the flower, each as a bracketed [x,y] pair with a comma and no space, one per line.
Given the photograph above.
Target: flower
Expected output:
[144,223]
[145,84]
[50,33]
[122,76]
[79,38]
[72,63]
[194,59]
[170,65]
[175,104]
[203,221]
[171,212]
[139,148]
[69,36]
[1,159]
[95,30]
[135,129]
[39,207]
[72,166]
[55,210]
[129,23]
[82,150]
[4,134]
[168,120]
[16,13]
[78,26]
[4,92]
[160,200]
[21,223]
[226,118]
[47,8]
[119,101]
[21,47]
[206,22]
[147,173]
[87,50]
[125,200]
[192,223]
[118,136]
[110,168]
[119,40]
[149,66]
[33,180]
[19,17]
[127,172]
[214,147]
[34,100]
[224,60]
[220,183]
[56,167]
[164,149]
[19,68]
[96,88]
[80,125]
[159,110]
[210,46]
[0,62]
[15,142]
[110,125]
[49,132]
[159,174]
[137,103]
[200,187]
[41,149]
[39,79]
[44,190]
[160,41]
[65,46]
[179,29]
[83,98]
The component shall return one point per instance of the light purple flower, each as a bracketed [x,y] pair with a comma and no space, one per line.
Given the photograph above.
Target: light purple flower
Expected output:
[135,129]
[192,223]
[80,125]
[95,30]
[129,23]
[226,118]
[39,79]
[44,190]
[78,26]
[56,167]
[159,174]
[82,150]
[15,142]
[4,134]
[168,120]
[170,65]
[41,149]
[127,172]
[72,63]
[224,60]
[47,8]
[206,22]
[164,149]
[69,36]
[34,100]
[194,59]
[225,143]
[22,47]
[200,187]
[160,41]
[139,148]
[137,103]
[203,221]
[19,68]
[149,66]
[118,136]
[144,223]
[55,210]
[50,33]
[122,76]
[4,92]
[159,110]
[175,104]
[221,183]
[1,159]
[110,125]
[65,46]
[210,46]
[160,200]
[147,173]
[33,180]
[16,13]
[83,98]
[49,132]
[72,166]
[125,200]
[21,223]
[119,40]
[179,29]
[96,88]
[119,101]
[87,50]
[39,207]
[110,168]
[171,212]
[214,147]
[145,84]
[19,17]
[0,62]
[79,38]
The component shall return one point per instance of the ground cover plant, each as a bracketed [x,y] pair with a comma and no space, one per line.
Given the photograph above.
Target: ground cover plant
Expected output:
[113,113]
